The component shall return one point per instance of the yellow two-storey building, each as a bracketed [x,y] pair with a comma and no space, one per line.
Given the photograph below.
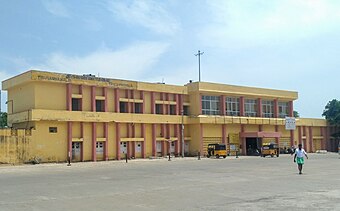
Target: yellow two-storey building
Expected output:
[91,118]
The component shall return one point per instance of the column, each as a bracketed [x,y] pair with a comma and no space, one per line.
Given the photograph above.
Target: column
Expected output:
[153,140]
[243,141]
[106,144]
[201,138]
[118,141]
[153,106]
[69,97]
[222,105]
[300,134]
[116,97]
[177,143]
[259,107]
[276,109]
[292,137]
[323,133]
[134,143]
[242,106]
[310,129]
[277,139]
[178,109]
[105,102]
[127,95]
[291,109]
[142,96]
[69,140]
[93,98]
[224,134]
[132,96]
[94,141]
[200,103]
[81,87]
[305,139]
[82,144]
[144,142]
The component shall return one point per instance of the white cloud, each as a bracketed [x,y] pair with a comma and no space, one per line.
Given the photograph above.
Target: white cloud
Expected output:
[246,23]
[56,8]
[149,14]
[128,63]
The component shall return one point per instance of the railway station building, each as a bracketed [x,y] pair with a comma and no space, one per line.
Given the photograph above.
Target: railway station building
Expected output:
[91,118]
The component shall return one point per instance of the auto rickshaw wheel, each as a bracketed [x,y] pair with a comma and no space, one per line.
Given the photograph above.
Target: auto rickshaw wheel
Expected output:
[272,155]
[224,156]
[217,156]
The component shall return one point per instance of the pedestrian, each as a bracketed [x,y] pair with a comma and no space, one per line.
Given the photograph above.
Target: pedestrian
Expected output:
[299,157]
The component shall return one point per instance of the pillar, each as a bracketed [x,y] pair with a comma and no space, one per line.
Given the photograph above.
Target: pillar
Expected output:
[154,152]
[224,134]
[153,106]
[144,142]
[291,109]
[300,134]
[178,109]
[277,139]
[201,138]
[222,105]
[142,96]
[93,98]
[94,141]
[118,141]
[305,139]
[242,106]
[106,144]
[82,144]
[116,103]
[69,140]
[292,137]
[105,101]
[310,130]
[69,97]
[276,108]
[243,141]
[259,107]
[81,88]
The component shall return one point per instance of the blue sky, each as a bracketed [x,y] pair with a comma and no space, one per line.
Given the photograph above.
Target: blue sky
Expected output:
[279,44]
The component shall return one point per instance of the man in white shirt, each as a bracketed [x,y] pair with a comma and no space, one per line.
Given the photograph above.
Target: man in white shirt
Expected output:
[298,157]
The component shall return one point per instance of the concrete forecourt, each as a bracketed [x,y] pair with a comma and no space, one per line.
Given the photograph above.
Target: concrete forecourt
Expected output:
[244,183]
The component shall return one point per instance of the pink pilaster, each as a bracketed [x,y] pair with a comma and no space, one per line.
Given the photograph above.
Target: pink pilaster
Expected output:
[177,143]
[118,141]
[224,134]
[241,106]
[222,105]
[132,96]
[153,139]
[144,142]
[300,134]
[259,107]
[116,103]
[81,88]
[142,96]
[243,141]
[82,144]
[105,102]
[201,138]
[305,139]
[69,97]
[276,109]
[178,110]
[69,140]
[291,109]
[292,138]
[94,141]
[200,103]
[310,130]
[153,105]
[93,98]
[277,139]
[106,144]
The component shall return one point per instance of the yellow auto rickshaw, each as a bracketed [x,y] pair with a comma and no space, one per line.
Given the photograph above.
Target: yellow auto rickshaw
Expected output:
[217,150]
[271,149]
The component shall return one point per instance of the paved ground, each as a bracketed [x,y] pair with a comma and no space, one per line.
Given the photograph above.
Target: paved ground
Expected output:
[246,183]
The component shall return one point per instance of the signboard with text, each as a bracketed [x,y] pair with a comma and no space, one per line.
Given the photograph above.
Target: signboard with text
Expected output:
[290,123]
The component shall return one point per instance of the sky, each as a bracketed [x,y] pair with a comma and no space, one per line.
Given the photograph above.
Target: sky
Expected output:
[279,44]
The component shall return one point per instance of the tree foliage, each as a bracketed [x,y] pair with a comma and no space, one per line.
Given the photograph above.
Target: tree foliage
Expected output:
[296,114]
[3,119]
[332,112]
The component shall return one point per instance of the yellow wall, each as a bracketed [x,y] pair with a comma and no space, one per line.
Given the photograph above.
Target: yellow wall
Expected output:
[50,96]
[21,98]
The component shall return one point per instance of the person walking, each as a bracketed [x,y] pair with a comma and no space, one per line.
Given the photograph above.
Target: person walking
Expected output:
[299,157]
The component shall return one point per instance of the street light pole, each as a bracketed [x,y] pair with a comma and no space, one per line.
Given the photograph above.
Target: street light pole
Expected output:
[199,64]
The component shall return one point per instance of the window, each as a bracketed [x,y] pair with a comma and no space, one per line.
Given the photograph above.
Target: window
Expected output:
[211,105]
[250,107]
[186,110]
[99,147]
[159,108]
[232,106]
[138,108]
[76,104]
[53,129]
[283,109]
[100,105]
[123,108]
[267,108]
[172,109]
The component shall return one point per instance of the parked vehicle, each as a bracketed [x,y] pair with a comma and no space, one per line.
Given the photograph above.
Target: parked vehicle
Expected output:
[271,149]
[217,150]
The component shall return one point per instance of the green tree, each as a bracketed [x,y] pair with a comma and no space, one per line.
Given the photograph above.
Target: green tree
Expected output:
[3,119]
[332,115]
[296,114]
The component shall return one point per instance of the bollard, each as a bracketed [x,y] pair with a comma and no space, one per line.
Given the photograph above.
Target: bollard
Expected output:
[199,155]
[126,158]
[236,154]
[69,159]
[169,157]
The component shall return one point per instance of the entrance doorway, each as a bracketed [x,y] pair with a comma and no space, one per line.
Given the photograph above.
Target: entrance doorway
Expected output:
[253,146]
[76,151]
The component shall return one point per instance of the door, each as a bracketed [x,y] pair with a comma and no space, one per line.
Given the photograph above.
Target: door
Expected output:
[159,148]
[123,147]
[76,151]
[186,148]
[172,147]
[100,150]
[138,148]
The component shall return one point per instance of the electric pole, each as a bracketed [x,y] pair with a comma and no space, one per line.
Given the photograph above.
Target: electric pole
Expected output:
[199,64]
